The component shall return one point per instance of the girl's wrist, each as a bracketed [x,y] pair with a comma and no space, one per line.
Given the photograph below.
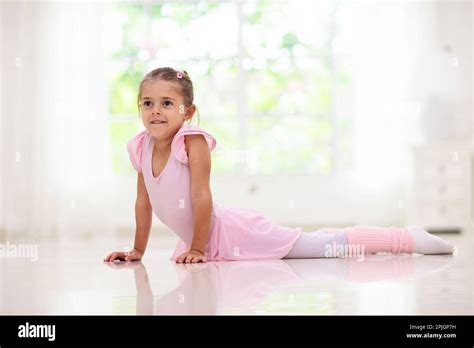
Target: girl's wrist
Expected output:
[141,252]
[197,251]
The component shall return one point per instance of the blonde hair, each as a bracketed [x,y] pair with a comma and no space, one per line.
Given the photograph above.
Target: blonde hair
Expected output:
[170,74]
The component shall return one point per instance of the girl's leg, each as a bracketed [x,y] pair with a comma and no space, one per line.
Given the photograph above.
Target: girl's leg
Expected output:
[396,240]
[372,239]
[315,244]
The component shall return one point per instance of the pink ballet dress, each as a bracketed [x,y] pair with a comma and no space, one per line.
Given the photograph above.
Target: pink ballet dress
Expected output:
[235,234]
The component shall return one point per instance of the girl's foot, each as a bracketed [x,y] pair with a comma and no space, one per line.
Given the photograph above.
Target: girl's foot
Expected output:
[426,243]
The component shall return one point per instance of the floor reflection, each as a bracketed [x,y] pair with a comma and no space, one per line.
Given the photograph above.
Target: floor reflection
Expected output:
[246,286]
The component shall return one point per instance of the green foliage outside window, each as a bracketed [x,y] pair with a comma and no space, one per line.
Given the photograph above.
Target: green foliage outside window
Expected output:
[276,87]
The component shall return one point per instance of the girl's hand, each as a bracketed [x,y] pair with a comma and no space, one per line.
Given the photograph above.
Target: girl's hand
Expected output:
[133,255]
[191,256]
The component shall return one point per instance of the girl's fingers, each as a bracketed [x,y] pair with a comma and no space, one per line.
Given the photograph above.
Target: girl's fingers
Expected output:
[182,258]
[187,258]
[117,255]
[134,256]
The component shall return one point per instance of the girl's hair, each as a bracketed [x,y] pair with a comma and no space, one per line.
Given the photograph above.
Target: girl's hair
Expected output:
[169,74]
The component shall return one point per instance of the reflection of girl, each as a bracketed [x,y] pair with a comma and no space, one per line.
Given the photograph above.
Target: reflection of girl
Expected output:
[173,163]
[215,287]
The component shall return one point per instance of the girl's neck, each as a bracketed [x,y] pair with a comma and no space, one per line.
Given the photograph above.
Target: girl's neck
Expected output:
[162,144]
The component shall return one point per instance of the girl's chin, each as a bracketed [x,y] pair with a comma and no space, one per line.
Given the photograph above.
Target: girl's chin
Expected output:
[158,132]
[161,130]
[157,127]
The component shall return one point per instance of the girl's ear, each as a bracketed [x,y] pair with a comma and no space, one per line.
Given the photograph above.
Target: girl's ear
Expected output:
[190,112]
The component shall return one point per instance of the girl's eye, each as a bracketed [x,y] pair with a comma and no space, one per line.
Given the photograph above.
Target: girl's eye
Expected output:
[147,103]
[167,103]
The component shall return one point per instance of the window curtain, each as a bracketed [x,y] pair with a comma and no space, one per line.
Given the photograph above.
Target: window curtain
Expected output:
[54,137]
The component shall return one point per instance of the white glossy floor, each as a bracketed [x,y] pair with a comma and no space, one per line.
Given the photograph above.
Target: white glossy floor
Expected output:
[70,278]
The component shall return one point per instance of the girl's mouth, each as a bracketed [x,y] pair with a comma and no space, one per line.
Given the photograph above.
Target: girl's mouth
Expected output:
[158,122]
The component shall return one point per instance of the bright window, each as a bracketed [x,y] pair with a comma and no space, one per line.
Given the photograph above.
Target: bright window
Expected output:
[266,75]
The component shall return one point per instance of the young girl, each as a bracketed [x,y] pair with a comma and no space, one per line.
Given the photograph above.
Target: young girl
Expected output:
[173,162]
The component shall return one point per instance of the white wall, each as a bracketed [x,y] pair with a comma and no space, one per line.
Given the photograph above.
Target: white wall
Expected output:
[454,28]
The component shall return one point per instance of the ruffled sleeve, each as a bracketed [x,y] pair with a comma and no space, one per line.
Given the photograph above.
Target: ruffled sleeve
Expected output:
[178,146]
[134,148]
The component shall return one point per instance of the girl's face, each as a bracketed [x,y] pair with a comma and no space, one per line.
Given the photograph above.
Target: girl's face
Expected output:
[162,108]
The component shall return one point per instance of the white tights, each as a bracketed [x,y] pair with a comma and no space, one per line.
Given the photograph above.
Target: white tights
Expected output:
[313,244]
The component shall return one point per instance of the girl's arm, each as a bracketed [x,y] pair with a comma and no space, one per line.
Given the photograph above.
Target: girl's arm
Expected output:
[143,216]
[199,161]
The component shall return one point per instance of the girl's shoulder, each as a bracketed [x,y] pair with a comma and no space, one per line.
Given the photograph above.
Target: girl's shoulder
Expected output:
[178,146]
